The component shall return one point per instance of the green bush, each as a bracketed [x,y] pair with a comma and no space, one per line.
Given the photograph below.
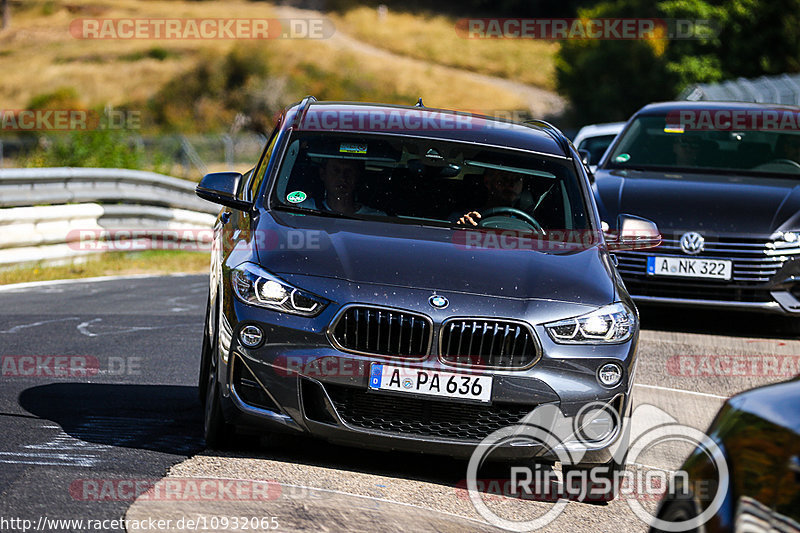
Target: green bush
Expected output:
[249,80]
[100,148]
[61,98]
[609,80]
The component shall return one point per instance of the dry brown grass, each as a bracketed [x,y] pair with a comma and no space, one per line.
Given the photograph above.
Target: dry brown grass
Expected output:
[41,56]
[433,37]
[114,263]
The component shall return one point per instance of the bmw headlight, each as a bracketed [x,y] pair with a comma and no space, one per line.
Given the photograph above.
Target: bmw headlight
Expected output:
[255,286]
[610,324]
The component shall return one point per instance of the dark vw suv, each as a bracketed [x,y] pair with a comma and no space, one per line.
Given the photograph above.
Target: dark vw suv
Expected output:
[721,180]
[409,278]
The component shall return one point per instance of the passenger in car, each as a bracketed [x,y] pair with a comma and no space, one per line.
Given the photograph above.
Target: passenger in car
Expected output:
[340,177]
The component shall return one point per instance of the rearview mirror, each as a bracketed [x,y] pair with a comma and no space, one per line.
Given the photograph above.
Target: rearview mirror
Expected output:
[633,233]
[221,188]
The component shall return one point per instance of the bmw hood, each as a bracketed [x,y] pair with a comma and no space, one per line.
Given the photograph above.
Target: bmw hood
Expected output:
[430,258]
[717,204]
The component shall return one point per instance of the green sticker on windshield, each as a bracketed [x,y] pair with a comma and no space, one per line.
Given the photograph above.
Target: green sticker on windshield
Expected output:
[296,197]
[621,158]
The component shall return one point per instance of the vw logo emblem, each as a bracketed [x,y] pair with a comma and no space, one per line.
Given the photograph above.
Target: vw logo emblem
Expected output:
[439,302]
[692,242]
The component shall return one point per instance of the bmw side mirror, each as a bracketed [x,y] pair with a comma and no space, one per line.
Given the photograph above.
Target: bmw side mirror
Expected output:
[221,188]
[634,233]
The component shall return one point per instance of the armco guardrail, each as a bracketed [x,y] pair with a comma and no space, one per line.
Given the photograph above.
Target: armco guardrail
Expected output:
[35,186]
[86,204]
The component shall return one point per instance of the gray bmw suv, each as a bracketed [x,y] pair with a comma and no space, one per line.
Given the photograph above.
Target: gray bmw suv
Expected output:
[406,278]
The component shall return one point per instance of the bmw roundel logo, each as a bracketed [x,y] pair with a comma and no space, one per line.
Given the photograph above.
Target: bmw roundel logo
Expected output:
[439,302]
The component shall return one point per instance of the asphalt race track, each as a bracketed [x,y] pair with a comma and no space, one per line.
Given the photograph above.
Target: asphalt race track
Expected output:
[99,391]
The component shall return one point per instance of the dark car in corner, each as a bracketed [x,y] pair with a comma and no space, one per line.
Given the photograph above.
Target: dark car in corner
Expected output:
[721,180]
[350,301]
[757,433]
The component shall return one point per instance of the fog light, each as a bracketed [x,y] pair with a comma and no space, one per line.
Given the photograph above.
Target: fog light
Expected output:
[609,375]
[251,336]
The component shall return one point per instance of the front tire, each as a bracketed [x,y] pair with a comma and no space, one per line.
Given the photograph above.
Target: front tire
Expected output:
[205,358]
[216,431]
[605,491]
[677,510]
[792,326]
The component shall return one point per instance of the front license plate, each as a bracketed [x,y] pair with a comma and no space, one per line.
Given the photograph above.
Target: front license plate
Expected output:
[689,267]
[430,382]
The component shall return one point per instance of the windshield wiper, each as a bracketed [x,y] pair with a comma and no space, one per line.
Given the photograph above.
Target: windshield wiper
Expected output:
[309,211]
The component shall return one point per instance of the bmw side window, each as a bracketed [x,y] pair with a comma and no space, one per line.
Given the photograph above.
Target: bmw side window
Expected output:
[257,176]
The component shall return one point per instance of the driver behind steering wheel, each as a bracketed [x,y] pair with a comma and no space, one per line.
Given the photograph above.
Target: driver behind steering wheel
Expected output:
[504,190]
[788,147]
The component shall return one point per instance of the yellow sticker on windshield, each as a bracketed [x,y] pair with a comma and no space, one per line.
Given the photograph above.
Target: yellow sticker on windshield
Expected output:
[349,148]
[674,128]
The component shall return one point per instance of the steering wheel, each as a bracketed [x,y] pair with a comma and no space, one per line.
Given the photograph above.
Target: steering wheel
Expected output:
[785,162]
[488,215]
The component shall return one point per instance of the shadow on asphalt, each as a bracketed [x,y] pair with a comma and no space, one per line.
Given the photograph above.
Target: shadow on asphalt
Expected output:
[717,322]
[494,477]
[168,419]
[163,418]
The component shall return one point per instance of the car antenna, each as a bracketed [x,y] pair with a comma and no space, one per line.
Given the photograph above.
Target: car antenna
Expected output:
[419,103]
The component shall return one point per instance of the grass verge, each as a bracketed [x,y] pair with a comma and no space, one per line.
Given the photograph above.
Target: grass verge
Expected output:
[114,264]
[434,38]
[128,73]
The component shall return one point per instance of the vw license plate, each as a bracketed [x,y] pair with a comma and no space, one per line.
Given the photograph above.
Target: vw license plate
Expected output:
[430,382]
[689,267]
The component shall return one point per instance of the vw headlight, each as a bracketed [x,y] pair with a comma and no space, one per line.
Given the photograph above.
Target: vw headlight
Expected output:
[783,242]
[610,324]
[255,286]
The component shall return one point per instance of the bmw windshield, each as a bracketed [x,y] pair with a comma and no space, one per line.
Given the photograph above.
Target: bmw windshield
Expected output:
[405,179]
